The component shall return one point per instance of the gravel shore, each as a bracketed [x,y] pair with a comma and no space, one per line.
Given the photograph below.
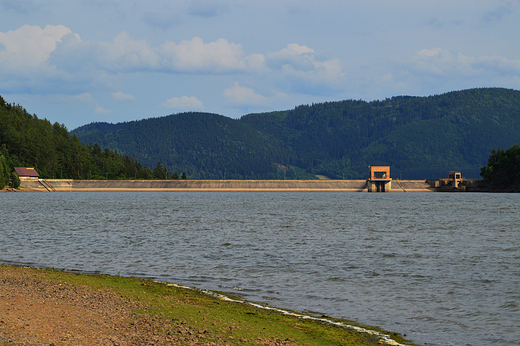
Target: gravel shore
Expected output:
[37,311]
[34,311]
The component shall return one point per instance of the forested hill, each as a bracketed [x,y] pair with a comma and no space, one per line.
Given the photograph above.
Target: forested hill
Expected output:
[203,145]
[419,137]
[27,141]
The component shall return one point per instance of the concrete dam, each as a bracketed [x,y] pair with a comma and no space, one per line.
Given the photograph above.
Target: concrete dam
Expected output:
[70,185]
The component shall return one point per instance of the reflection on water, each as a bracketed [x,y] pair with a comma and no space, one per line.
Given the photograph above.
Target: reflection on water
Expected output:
[440,268]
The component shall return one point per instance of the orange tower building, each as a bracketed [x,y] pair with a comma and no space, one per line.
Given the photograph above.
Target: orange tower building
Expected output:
[379,179]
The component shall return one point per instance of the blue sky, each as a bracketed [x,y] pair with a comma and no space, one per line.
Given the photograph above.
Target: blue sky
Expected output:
[81,61]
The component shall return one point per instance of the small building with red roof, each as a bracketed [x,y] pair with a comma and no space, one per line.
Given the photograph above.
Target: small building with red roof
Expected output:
[27,173]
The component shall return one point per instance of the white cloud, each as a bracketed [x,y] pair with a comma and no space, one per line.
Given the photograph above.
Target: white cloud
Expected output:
[434,61]
[57,60]
[101,110]
[195,56]
[61,55]
[83,98]
[241,96]
[184,102]
[325,74]
[305,70]
[125,53]
[248,100]
[297,57]
[441,63]
[29,47]
[255,61]
[74,55]
[54,58]
[498,64]
[122,97]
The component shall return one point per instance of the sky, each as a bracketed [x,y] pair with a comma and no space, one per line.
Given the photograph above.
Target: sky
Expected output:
[80,61]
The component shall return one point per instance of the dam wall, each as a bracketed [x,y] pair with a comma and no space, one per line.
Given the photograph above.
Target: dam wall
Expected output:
[69,185]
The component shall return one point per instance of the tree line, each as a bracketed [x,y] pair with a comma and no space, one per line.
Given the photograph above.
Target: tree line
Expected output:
[503,168]
[26,141]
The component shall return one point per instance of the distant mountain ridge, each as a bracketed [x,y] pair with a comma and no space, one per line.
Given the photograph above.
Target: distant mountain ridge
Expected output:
[419,137]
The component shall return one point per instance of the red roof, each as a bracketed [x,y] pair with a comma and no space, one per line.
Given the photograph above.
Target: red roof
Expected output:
[26,172]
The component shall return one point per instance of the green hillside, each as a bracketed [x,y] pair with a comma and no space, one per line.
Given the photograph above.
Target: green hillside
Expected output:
[203,145]
[26,141]
[419,137]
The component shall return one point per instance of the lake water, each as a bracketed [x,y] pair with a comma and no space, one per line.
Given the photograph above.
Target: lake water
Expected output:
[442,268]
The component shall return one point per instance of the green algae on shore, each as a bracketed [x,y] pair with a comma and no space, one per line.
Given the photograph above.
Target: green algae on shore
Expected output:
[187,311]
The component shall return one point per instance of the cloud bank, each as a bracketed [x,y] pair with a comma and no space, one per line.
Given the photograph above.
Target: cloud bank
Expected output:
[183,103]
[56,53]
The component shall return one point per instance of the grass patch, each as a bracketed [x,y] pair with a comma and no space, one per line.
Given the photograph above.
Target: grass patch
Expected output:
[176,310]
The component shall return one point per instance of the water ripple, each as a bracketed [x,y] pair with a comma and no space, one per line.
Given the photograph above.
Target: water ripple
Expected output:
[440,268]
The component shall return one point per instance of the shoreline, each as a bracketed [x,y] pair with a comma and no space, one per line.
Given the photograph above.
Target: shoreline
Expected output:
[59,282]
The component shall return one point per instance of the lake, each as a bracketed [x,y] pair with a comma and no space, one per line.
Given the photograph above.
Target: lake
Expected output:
[442,268]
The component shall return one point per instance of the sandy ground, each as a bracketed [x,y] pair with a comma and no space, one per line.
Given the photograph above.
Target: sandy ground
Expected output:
[38,312]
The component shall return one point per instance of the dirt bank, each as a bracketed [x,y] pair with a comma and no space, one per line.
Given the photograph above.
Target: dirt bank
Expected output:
[37,311]
[34,311]
[9,189]
[53,307]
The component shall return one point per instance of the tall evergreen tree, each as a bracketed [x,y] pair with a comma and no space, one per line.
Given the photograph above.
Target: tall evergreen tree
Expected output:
[503,168]
[160,172]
